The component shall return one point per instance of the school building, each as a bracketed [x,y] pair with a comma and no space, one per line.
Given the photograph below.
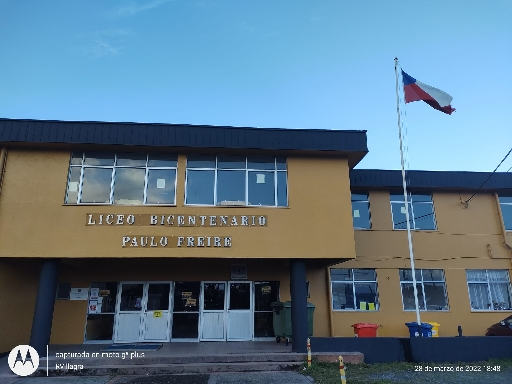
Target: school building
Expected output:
[128,232]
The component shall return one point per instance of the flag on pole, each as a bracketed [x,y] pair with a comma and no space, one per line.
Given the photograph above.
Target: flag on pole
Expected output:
[415,90]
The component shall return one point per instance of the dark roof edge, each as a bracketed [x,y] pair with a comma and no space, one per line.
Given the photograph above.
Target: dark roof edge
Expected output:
[378,178]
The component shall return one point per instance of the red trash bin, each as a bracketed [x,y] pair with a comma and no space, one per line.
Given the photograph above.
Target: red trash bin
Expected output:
[365,329]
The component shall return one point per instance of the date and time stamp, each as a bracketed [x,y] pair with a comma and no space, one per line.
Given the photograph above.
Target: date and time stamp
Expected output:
[457,368]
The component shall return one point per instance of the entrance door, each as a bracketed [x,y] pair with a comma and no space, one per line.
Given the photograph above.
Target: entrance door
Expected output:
[156,316]
[213,316]
[239,311]
[142,312]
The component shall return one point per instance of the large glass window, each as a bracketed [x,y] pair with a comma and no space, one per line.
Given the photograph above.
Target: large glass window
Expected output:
[122,178]
[506,211]
[431,288]
[489,290]
[236,180]
[354,289]
[361,211]
[421,211]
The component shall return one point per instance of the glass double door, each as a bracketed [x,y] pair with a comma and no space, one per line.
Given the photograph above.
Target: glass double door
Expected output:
[142,312]
[226,311]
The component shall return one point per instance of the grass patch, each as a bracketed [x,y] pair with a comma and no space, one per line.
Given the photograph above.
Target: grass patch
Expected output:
[329,373]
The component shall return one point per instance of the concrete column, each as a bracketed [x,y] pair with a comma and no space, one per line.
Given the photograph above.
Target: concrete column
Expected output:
[45,301]
[299,305]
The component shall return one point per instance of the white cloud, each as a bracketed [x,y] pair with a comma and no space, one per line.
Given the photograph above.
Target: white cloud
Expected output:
[134,7]
[104,43]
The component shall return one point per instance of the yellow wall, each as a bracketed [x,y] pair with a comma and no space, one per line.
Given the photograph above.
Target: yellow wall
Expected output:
[462,241]
[35,223]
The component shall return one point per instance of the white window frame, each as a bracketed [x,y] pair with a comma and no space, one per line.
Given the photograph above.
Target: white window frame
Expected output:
[421,281]
[488,283]
[247,170]
[502,204]
[362,201]
[411,212]
[146,167]
[353,282]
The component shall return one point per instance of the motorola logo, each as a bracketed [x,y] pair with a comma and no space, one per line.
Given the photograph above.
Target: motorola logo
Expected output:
[23,360]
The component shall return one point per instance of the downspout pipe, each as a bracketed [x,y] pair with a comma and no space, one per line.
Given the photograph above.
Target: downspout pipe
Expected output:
[3,158]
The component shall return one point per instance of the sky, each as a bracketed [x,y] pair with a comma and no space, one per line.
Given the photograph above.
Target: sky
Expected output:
[271,64]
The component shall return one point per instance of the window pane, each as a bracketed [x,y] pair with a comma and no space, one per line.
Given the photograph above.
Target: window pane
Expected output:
[282,190]
[497,276]
[342,296]
[200,185]
[406,275]
[366,293]
[399,218]
[281,163]
[161,186]
[231,162]
[230,186]
[500,295]
[158,297]
[185,325]
[214,296]
[186,296]
[435,296]
[162,160]
[421,198]
[261,188]
[424,216]
[131,159]
[201,161]
[364,274]
[74,181]
[359,197]
[260,162]
[76,158]
[99,158]
[96,185]
[265,294]
[129,186]
[408,297]
[479,296]
[239,296]
[398,197]
[432,275]
[263,324]
[131,297]
[506,212]
[476,275]
[341,275]
[361,215]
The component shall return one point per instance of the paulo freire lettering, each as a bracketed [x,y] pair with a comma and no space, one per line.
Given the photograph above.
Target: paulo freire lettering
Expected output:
[176,241]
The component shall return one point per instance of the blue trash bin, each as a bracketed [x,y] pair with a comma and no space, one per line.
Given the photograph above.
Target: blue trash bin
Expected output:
[426,329]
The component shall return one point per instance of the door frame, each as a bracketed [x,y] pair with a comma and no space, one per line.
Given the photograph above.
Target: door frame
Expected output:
[251,308]
[143,311]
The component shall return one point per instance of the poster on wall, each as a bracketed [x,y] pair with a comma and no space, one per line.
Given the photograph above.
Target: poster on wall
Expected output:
[93,306]
[95,292]
[78,293]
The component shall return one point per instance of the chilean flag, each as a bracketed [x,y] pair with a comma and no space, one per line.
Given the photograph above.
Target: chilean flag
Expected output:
[415,90]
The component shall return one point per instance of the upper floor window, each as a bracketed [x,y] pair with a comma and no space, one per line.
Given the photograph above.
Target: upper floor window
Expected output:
[354,289]
[489,289]
[361,211]
[421,211]
[236,180]
[121,178]
[431,289]
[506,211]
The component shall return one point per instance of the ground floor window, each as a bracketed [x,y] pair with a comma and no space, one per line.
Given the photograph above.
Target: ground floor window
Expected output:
[354,289]
[265,293]
[101,311]
[489,289]
[431,287]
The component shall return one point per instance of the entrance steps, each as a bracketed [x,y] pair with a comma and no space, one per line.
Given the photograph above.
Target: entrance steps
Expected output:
[153,365]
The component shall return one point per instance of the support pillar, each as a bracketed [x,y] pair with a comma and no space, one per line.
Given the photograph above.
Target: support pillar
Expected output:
[299,305]
[45,302]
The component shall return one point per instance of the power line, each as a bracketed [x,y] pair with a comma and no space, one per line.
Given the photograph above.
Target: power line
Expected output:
[493,172]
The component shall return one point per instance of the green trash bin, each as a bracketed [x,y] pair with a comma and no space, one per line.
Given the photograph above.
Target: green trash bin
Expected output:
[282,320]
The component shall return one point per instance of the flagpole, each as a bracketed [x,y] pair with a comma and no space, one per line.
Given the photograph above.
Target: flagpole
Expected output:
[409,237]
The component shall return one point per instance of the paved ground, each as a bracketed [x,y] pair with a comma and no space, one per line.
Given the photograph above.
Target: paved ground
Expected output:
[217,378]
